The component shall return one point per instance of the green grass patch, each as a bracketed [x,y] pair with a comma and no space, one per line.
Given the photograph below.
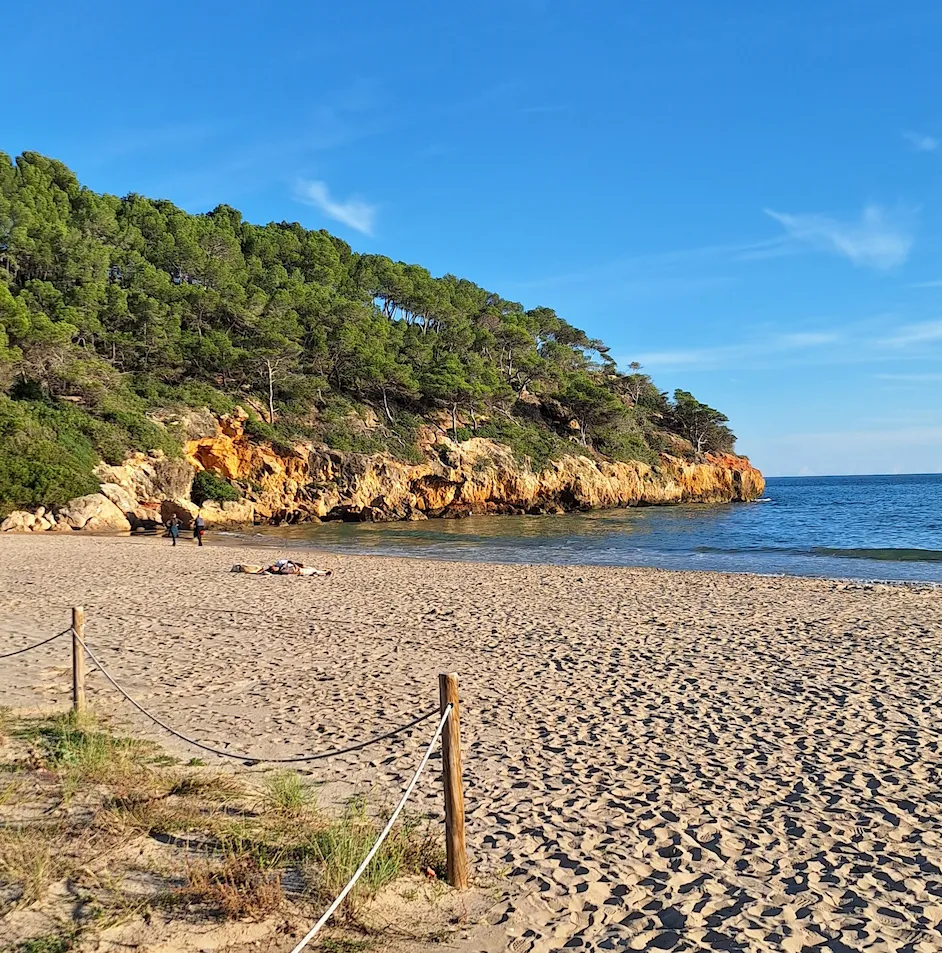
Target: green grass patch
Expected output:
[79,752]
[50,943]
[287,793]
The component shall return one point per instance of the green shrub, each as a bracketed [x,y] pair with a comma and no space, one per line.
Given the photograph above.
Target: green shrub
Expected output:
[258,429]
[528,441]
[210,486]
[342,438]
[131,428]
[403,437]
[193,393]
[280,435]
[624,447]
[339,427]
[41,464]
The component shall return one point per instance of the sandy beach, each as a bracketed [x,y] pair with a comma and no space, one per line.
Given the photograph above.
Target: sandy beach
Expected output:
[653,760]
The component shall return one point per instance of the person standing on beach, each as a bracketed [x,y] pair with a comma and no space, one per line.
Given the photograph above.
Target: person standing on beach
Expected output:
[199,528]
[173,528]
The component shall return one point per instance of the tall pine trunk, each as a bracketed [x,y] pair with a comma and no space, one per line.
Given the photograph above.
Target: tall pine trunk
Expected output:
[271,392]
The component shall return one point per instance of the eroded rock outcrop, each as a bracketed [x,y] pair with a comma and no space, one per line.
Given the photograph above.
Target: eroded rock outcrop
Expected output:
[312,481]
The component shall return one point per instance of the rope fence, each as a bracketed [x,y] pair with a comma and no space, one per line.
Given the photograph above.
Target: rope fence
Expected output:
[328,913]
[36,645]
[448,729]
[250,758]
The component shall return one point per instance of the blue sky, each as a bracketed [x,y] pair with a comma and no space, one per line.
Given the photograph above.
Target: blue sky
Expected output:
[746,197]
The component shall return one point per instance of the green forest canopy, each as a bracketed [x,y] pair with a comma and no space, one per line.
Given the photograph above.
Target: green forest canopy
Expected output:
[112,308]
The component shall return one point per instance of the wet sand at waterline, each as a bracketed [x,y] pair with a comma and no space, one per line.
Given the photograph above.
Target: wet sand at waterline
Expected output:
[653,760]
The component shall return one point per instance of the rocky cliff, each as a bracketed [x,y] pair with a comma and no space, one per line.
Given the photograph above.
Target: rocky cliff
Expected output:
[312,482]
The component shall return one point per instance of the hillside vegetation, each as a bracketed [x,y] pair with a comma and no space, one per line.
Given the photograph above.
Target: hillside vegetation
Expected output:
[112,309]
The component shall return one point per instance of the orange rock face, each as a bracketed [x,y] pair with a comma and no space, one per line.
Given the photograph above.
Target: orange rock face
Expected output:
[475,476]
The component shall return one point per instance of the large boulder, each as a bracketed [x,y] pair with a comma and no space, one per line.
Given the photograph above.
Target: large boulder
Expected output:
[239,513]
[192,423]
[120,496]
[184,510]
[141,515]
[19,521]
[94,513]
[146,478]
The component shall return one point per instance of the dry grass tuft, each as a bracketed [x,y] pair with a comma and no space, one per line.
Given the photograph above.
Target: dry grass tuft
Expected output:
[236,889]
[30,860]
[99,803]
[215,786]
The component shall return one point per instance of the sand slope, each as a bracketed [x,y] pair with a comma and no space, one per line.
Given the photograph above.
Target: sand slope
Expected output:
[654,760]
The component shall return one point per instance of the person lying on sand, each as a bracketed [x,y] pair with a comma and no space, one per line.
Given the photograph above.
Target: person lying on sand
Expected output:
[284,567]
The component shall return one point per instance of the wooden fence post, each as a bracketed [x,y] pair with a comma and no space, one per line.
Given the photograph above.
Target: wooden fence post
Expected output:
[78,660]
[456,853]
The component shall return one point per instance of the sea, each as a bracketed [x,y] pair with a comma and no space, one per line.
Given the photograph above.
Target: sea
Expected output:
[844,527]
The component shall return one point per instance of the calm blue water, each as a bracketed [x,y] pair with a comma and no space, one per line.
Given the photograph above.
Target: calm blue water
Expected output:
[872,527]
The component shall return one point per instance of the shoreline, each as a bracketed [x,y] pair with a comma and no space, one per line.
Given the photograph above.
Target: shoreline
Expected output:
[645,751]
[237,539]
[232,539]
[241,540]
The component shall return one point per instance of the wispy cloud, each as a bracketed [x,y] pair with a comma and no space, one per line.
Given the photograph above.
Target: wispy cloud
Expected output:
[645,265]
[879,240]
[927,284]
[921,142]
[710,358]
[923,333]
[910,378]
[864,341]
[353,212]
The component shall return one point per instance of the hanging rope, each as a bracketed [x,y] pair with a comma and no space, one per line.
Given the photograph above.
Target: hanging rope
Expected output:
[385,833]
[29,648]
[254,759]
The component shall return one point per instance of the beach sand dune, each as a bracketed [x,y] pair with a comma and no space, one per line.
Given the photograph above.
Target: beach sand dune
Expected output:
[654,760]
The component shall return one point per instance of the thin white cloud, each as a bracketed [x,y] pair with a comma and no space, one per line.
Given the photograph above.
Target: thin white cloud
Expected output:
[662,263]
[921,142]
[923,333]
[709,358]
[353,212]
[910,378]
[927,284]
[879,240]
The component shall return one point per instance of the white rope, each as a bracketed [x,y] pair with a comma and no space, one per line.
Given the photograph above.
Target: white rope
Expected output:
[392,820]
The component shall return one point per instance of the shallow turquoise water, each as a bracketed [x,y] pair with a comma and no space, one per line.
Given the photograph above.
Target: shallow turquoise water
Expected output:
[872,527]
